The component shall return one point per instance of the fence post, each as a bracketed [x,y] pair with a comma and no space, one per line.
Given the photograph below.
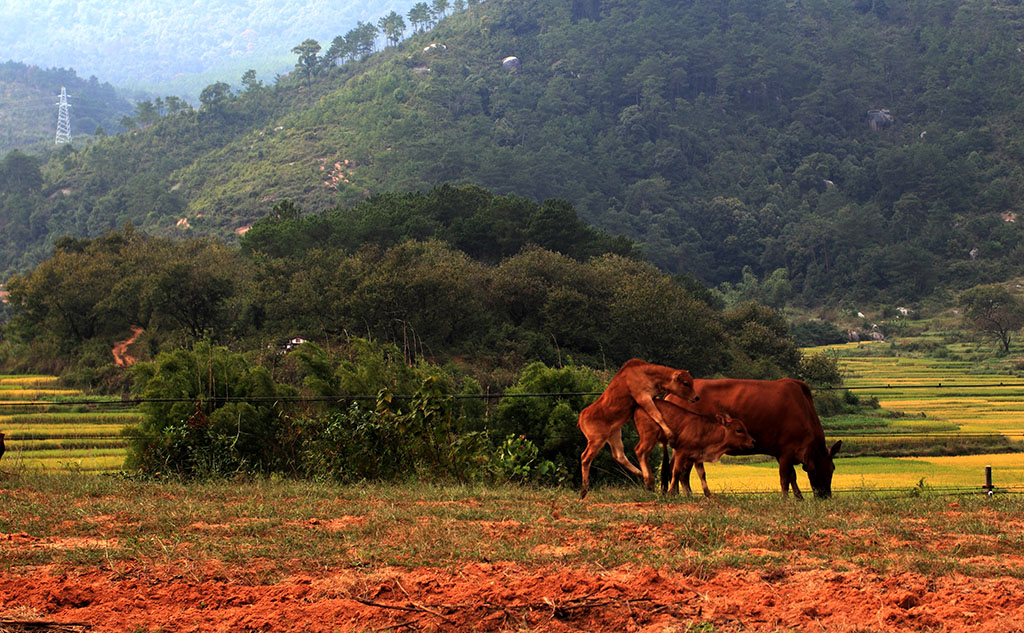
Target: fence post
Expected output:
[989,488]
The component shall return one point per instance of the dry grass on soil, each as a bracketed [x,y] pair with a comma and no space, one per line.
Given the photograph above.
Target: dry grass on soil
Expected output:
[119,555]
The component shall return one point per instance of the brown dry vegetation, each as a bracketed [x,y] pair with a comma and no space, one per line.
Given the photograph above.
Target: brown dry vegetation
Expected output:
[286,556]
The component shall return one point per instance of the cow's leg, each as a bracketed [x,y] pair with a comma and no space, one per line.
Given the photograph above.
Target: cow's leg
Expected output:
[703,479]
[681,475]
[666,468]
[787,477]
[597,435]
[643,451]
[673,487]
[792,480]
[594,446]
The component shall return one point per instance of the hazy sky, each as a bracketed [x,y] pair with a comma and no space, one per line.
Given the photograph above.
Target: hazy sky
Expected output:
[150,43]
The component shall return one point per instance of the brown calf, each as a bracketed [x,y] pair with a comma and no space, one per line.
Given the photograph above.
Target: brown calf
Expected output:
[632,388]
[698,438]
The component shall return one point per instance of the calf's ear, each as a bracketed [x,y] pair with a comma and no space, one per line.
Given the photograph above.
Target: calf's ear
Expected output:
[835,448]
[682,375]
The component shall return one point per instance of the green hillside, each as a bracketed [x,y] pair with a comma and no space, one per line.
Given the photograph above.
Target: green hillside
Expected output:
[836,150]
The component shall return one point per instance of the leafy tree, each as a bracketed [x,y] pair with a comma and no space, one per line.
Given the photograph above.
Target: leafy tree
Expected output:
[759,338]
[20,173]
[176,104]
[420,16]
[393,26]
[214,97]
[250,81]
[994,311]
[193,287]
[439,8]
[146,113]
[308,61]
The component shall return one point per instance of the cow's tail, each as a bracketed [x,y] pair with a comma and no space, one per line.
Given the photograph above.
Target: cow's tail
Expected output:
[811,409]
[810,398]
[666,468]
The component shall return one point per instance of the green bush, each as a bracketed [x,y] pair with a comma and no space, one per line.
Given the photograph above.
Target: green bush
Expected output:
[516,461]
[353,445]
[820,370]
[423,437]
[815,333]
[208,412]
[548,422]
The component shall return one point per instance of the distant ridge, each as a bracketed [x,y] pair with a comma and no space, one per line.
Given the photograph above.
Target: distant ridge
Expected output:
[732,140]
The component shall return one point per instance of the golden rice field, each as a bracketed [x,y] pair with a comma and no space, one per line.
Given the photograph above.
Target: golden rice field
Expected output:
[45,429]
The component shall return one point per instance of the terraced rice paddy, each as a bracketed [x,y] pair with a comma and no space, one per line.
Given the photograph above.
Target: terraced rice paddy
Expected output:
[47,428]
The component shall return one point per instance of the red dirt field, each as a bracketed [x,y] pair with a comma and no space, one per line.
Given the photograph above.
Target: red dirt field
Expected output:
[502,596]
[104,554]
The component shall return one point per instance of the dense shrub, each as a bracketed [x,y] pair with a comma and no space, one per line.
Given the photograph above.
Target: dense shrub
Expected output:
[208,411]
[517,460]
[549,422]
[353,445]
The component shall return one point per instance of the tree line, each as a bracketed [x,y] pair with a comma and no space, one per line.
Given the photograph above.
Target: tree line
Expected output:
[388,318]
[452,273]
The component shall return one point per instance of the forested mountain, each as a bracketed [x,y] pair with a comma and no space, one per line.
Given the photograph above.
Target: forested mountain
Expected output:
[833,149]
[28,112]
[172,46]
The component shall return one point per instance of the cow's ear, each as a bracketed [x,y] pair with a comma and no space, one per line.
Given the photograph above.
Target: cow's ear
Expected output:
[835,448]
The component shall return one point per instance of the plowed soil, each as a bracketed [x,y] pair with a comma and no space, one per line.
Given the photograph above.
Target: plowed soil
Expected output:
[215,596]
[510,597]
[124,557]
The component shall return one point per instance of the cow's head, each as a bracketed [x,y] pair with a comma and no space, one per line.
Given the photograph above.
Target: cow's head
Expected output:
[736,436]
[819,468]
[680,383]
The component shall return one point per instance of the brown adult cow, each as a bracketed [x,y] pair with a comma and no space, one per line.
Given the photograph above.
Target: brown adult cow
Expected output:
[698,438]
[780,416]
[633,386]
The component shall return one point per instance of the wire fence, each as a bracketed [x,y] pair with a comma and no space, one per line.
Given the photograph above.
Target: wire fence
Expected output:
[16,407]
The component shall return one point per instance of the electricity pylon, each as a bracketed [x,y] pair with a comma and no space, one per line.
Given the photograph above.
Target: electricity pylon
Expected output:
[63,119]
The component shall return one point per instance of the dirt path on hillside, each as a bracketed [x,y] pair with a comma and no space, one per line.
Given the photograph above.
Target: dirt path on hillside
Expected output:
[505,597]
[120,350]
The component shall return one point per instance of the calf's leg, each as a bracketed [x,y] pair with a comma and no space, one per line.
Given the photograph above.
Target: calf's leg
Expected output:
[703,479]
[595,442]
[643,451]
